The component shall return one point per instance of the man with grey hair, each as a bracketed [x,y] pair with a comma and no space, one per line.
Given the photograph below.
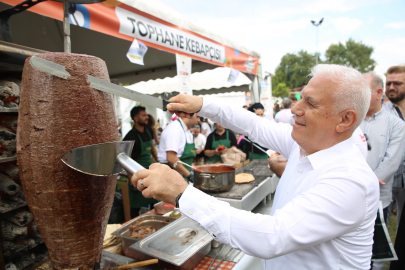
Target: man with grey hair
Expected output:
[386,134]
[285,115]
[327,199]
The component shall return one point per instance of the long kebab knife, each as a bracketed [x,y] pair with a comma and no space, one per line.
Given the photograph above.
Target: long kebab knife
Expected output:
[96,83]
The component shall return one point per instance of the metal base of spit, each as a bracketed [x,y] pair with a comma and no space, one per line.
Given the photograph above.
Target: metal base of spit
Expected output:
[255,196]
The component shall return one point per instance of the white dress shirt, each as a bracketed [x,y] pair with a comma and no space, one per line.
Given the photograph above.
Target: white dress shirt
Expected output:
[284,116]
[386,137]
[324,209]
[200,141]
[174,138]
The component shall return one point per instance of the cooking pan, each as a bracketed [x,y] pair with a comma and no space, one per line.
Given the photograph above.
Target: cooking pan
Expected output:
[214,178]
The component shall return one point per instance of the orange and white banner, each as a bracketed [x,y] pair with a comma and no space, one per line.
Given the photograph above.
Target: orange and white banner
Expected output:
[114,18]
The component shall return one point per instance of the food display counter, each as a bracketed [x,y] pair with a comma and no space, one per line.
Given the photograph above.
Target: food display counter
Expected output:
[250,198]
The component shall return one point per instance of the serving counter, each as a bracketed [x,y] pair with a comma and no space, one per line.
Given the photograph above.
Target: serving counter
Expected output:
[249,199]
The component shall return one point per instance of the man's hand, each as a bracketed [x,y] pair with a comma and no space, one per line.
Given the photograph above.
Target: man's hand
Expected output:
[198,151]
[277,166]
[159,182]
[186,104]
[218,151]
[381,182]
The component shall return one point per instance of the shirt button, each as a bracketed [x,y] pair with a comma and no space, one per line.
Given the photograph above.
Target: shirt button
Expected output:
[298,171]
[191,212]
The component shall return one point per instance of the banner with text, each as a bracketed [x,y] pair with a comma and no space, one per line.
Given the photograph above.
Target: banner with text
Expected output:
[114,18]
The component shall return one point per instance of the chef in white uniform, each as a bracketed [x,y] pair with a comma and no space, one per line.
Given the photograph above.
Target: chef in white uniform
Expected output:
[326,201]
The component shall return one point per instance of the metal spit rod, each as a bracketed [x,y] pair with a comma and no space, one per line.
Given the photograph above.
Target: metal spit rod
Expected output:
[66,27]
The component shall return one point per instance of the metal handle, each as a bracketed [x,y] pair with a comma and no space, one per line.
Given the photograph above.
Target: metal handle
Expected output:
[165,102]
[205,175]
[130,165]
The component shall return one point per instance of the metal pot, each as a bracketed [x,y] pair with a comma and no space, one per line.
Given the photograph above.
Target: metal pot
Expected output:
[214,178]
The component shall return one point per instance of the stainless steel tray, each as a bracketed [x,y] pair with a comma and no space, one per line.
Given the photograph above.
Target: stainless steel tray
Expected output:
[177,242]
[156,221]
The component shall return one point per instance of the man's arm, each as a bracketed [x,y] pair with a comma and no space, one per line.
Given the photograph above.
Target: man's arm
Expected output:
[323,212]
[154,153]
[263,131]
[394,154]
[276,166]
[172,158]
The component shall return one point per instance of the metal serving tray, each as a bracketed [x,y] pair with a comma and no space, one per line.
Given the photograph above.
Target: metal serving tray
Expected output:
[155,221]
[177,243]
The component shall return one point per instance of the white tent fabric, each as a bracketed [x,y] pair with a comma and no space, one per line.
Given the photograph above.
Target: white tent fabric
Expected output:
[212,81]
[164,12]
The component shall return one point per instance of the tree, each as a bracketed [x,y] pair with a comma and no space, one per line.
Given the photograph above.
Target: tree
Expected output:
[281,90]
[355,54]
[293,70]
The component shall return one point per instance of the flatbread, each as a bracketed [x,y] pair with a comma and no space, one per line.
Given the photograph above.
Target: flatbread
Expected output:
[244,178]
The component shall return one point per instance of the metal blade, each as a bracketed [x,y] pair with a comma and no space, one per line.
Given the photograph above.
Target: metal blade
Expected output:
[258,147]
[49,67]
[114,89]
[98,159]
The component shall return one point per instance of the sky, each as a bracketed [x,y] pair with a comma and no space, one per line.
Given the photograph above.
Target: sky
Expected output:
[275,28]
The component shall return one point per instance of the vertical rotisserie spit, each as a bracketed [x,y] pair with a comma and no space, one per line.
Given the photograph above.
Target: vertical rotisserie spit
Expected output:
[71,209]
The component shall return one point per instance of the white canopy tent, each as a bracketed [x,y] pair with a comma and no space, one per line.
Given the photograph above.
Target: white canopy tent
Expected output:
[212,84]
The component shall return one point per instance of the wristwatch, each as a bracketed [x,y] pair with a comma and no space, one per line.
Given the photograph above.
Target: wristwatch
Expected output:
[178,199]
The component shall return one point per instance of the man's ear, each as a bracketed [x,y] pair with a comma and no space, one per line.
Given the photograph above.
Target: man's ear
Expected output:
[347,120]
[379,93]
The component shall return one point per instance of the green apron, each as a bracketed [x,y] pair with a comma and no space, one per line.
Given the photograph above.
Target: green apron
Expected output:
[256,155]
[215,144]
[136,199]
[189,153]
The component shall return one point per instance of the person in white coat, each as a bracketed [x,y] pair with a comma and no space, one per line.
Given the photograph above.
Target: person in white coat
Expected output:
[327,199]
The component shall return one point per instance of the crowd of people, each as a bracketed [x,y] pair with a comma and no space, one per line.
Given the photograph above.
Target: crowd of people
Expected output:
[322,176]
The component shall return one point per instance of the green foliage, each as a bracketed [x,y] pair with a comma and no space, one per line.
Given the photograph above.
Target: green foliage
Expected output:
[281,90]
[293,69]
[354,54]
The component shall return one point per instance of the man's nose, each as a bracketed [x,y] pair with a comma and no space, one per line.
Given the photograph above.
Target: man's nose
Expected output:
[296,109]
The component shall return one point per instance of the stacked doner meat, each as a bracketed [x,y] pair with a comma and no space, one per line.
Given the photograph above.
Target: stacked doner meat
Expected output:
[70,208]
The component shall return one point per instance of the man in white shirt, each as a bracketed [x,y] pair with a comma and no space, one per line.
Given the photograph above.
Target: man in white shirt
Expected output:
[177,144]
[386,138]
[327,199]
[285,115]
[199,141]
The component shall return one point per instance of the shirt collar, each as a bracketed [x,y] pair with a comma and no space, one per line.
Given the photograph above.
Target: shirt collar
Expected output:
[323,157]
[185,128]
[377,114]
[390,104]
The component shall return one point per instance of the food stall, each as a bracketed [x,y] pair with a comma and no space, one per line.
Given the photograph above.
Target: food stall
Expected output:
[104,30]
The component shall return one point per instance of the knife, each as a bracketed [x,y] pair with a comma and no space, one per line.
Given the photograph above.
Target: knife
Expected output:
[258,147]
[99,84]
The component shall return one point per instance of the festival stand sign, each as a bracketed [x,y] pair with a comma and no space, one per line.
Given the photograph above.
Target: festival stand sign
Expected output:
[114,18]
[265,98]
[183,64]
